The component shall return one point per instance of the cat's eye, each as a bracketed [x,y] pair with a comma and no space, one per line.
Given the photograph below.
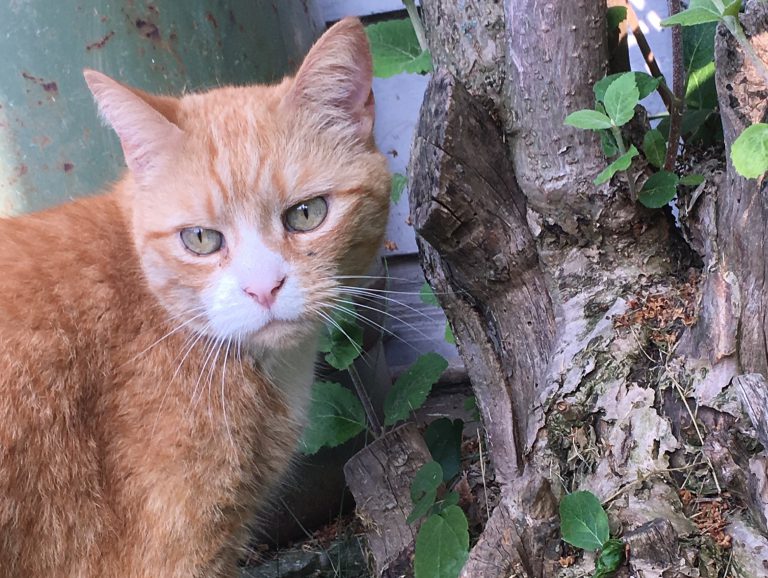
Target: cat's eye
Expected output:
[307,215]
[201,241]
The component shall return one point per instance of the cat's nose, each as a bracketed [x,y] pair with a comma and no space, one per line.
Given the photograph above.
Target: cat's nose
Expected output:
[264,292]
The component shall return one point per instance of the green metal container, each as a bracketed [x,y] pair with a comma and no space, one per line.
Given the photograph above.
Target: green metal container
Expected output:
[52,146]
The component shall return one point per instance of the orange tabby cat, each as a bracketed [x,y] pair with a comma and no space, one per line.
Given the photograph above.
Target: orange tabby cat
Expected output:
[157,342]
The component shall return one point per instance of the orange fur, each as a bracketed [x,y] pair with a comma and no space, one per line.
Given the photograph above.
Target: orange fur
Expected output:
[134,441]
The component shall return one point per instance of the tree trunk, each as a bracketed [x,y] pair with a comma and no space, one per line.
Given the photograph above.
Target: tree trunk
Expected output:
[571,302]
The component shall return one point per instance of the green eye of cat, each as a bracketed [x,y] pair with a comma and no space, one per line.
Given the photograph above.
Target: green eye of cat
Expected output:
[201,241]
[307,215]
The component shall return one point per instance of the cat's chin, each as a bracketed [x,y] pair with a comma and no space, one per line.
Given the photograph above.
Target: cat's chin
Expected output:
[279,334]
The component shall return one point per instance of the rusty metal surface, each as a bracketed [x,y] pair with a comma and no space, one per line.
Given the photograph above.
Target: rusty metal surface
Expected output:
[52,146]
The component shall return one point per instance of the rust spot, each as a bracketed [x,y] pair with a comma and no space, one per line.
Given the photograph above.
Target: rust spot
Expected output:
[212,19]
[148,29]
[49,87]
[100,43]
[104,18]
[153,8]
[173,37]
[68,167]
[22,170]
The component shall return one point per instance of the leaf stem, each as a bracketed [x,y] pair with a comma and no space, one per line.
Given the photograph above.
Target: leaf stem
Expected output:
[418,27]
[616,131]
[365,400]
[678,86]
[734,26]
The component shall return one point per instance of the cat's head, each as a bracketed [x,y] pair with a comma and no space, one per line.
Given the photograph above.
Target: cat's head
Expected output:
[249,203]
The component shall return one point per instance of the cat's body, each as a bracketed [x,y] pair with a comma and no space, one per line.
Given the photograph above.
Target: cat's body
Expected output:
[150,395]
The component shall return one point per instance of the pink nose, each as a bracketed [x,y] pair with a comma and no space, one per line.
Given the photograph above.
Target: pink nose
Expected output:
[264,293]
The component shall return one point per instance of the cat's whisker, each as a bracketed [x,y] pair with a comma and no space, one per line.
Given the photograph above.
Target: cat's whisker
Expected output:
[172,331]
[363,355]
[223,400]
[374,290]
[395,317]
[211,347]
[189,344]
[363,293]
[373,324]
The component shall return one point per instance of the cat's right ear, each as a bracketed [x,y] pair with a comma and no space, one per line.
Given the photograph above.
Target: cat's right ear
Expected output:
[144,122]
[335,78]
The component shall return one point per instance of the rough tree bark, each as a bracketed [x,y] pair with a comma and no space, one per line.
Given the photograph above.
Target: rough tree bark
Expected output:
[543,276]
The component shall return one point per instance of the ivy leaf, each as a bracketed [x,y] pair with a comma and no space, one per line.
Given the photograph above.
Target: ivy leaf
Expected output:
[620,164]
[583,522]
[621,97]
[412,388]
[398,186]
[659,189]
[427,295]
[615,16]
[442,545]
[424,489]
[443,438]
[749,152]
[692,180]
[611,557]
[588,119]
[646,84]
[698,46]
[655,148]
[342,340]
[335,416]
[395,49]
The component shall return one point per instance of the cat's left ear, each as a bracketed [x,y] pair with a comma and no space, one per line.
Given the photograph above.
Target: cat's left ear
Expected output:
[145,123]
[336,77]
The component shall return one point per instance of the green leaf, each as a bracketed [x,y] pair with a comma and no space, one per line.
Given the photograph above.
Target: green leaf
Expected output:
[427,295]
[608,144]
[659,189]
[443,438]
[395,49]
[335,416]
[424,489]
[621,97]
[412,388]
[698,59]
[342,340]
[749,152]
[655,148]
[583,522]
[620,164]
[398,186]
[449,337]
[450,499]
[442,545]
[615,16]
[692,16]
[611,557]
[698,46]
[692,180]
[588,119]
[646,84]
[732,9]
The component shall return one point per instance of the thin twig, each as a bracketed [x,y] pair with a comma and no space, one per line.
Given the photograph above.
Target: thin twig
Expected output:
[418,27]
[678,86]
[482,473]
[362,394]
